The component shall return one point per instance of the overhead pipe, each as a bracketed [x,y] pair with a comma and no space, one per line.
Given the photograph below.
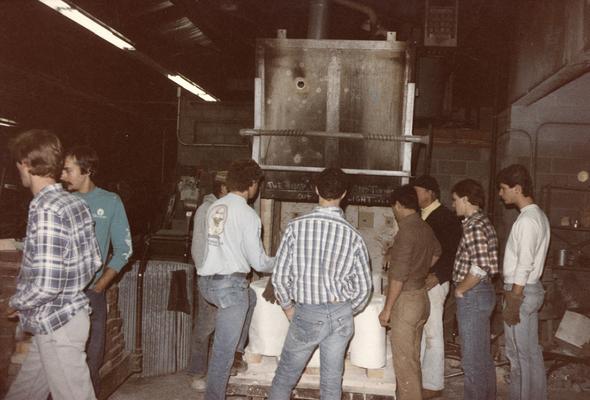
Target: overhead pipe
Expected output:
[371,14]
[318,19]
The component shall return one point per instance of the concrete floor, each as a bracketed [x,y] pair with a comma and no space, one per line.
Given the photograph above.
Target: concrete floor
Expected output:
[177,387]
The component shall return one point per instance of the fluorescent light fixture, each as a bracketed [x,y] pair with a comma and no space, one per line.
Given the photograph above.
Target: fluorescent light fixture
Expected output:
[7,122]
[89,22]
[191,87]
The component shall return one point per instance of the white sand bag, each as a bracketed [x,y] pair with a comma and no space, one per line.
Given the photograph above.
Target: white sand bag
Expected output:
[269,326]
[368,347]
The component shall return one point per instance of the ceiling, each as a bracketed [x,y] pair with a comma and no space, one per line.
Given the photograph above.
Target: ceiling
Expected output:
[55,74]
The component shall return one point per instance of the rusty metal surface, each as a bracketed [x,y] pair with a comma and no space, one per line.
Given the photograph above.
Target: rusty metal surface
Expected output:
[165,334]
[332,85]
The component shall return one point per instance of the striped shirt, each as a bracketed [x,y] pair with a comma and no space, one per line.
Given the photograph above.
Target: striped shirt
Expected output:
[61,255]
[478,249]
[322,259]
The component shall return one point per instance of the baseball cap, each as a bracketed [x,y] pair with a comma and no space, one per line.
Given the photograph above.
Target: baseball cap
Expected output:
[427,182]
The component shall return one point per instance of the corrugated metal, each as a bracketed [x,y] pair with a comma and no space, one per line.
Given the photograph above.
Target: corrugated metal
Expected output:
[165,334]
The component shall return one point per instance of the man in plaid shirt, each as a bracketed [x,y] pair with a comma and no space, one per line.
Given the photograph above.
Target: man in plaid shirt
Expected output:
[61,256]
[321,278]
[476,263]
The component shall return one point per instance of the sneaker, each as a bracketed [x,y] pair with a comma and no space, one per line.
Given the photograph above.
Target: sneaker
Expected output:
[239,364]
[199,383]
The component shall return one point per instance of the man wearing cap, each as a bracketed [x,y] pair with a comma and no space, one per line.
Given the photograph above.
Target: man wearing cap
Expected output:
[204,322]
[447,229]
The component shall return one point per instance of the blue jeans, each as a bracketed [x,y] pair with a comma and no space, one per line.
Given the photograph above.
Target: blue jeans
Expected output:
[96,340]
[473,314]
[331,327]
[235,303]
[203,328]
[527,369]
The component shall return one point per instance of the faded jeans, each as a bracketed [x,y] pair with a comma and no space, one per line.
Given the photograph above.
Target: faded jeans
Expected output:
[473,313]
[234,301]
[527,369]
[331,327]
[432,354]
[203,328]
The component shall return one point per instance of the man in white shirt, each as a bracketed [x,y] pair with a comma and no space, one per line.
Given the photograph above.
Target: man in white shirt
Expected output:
[524,260]
[233,247]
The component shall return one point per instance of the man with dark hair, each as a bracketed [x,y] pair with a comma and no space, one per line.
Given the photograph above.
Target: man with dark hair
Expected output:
[321,278]
[524,259]
[49,299]
[476,262]
[204,321]
[447,229]
[414,251]
[112,232]
[234,246]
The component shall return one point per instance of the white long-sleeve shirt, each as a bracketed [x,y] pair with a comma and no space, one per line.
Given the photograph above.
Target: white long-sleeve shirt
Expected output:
[233,239]
[526,248]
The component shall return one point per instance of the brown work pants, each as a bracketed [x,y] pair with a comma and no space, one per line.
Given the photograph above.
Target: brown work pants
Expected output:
[410,312]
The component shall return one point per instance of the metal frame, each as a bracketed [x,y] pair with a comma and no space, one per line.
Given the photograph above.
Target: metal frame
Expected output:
[407,111]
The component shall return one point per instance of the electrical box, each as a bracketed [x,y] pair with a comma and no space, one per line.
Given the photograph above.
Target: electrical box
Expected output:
[440,24]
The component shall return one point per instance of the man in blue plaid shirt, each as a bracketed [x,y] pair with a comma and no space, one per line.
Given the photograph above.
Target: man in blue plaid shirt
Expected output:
[61,256]
[321,278]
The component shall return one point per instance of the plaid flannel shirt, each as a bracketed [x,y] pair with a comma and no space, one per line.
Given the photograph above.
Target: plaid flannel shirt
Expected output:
[61,255]
[322,259]
[478,248]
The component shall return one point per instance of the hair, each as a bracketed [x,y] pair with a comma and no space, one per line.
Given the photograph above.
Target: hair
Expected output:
[242,174]
[331,183]
[40,150]
[472,190]
[517,174]
[86,158]
[406,196]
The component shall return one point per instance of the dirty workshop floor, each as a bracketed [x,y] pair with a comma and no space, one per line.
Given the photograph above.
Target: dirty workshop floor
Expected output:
[177,387]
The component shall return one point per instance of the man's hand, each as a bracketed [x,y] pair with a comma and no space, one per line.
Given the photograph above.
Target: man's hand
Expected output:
[384,317]
[11,313]
[511,310]
[458,294]
[269,293]
[431,281]
[289,312]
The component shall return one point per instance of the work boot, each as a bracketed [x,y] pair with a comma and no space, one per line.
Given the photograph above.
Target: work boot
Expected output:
[239,364]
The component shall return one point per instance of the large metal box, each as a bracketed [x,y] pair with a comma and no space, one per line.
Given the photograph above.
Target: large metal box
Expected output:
[332,86]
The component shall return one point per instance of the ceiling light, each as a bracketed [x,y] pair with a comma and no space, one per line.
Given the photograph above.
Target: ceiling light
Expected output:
[92,24]
[7,122]
[191,87]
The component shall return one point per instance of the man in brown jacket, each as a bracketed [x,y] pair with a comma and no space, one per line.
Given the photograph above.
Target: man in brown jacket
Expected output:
[407,307]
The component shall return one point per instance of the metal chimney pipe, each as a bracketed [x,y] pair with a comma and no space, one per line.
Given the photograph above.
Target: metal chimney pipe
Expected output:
[318,19]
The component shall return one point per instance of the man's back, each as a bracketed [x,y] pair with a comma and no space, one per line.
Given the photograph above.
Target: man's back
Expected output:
[233,238]
[60,258]
[328,259]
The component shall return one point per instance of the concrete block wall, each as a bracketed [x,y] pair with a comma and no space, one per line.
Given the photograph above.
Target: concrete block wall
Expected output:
[454,162]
